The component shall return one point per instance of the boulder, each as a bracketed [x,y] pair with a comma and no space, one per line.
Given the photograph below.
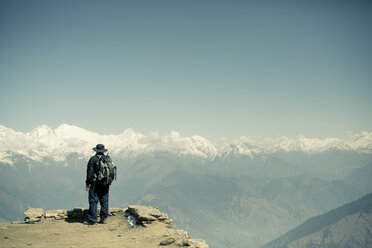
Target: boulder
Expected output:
[78,210]
[77,216]
[55,212]
[33,213]
[77,213]
[197,243]
[146,214]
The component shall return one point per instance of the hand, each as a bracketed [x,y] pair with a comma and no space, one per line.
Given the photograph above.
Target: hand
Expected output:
[87,188]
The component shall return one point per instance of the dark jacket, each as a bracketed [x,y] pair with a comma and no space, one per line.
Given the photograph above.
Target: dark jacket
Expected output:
[93,169]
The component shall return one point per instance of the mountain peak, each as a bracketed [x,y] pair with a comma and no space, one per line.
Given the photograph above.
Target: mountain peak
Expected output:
[42,130]
[70,131]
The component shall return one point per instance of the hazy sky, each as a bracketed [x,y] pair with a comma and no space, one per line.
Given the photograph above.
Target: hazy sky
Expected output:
[212,68]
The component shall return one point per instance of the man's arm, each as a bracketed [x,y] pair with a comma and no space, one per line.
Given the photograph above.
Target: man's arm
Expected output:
[90,173]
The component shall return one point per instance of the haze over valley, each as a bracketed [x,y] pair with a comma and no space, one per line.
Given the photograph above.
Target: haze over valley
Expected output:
[236,193]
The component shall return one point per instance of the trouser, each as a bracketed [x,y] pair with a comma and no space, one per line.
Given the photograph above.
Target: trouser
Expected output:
[98,192]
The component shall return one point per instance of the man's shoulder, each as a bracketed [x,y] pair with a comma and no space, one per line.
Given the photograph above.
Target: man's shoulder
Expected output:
[96,157]
[93,158]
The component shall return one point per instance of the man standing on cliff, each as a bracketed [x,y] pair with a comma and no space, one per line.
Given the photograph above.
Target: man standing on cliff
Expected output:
[98,184]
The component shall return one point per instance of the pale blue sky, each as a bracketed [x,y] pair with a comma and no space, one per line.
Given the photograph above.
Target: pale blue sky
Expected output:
[212,68]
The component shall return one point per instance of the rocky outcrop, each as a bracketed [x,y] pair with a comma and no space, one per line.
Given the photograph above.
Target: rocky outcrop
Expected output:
[147,215]
[158,225]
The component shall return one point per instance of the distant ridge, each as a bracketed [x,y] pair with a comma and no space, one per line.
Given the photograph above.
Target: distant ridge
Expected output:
[317,223]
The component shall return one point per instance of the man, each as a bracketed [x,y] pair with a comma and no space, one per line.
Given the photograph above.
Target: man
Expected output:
[98,190]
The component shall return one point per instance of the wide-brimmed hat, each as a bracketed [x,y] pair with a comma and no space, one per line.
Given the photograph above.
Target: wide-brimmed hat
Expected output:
[100,148]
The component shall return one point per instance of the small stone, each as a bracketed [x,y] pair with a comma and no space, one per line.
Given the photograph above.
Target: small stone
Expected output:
[6,237]
[115,210]
[169,221]
[63,216]
[119,235]
[182,243]
[32,220]
[18,222]
[167,241]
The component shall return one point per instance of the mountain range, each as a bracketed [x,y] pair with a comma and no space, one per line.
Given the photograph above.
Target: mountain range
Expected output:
[234,193]
[58,143]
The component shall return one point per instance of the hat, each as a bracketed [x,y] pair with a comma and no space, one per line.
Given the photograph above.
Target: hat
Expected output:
[100,148]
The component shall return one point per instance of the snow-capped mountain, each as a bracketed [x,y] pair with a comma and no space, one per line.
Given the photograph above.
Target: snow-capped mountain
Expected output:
[57,143]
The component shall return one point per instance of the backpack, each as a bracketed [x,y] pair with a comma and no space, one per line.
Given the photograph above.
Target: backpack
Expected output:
[106,170]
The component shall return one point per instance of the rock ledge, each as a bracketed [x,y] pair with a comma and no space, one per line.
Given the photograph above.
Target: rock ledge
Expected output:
[145,216]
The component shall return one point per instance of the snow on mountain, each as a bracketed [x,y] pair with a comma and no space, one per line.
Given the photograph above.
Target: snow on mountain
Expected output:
[357,142]
[57,143]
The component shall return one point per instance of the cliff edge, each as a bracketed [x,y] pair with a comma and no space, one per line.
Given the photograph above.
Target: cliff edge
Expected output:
[133,227]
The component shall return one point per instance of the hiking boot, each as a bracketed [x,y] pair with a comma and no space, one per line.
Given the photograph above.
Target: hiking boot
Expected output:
[103,221]
[89,223]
